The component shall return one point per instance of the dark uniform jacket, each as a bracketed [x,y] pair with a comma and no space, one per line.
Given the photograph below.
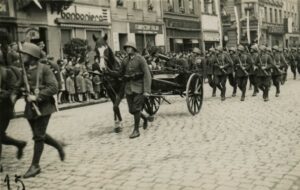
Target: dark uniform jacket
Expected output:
[279,62]
[254,60]
[243,64]
[197,64]
[222,59]
[263,60]
[232,58]
[210,64]
[47,85]
[136,65]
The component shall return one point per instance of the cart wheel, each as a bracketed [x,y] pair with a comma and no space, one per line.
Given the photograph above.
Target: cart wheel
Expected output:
[194,93]
[152,105]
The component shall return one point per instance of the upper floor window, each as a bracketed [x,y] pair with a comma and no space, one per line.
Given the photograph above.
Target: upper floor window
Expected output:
[276,16]
[280,16]
[181,6]
[170,6]
[120,3]
[266,14]
[191,6]
[150,5]
[271,15]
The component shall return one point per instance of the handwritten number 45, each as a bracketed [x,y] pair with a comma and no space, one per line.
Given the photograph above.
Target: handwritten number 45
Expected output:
[17,180]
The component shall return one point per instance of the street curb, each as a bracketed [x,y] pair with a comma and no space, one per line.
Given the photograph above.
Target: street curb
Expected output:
[21,114]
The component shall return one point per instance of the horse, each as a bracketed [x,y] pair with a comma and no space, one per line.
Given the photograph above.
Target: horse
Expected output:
[109,67]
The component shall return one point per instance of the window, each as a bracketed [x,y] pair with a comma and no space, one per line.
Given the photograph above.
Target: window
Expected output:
[150,5]
[66,35]
[276,16]
[120,3]
[266,14]
[134,6]
[271,15]
[191,6]
[170,6]
[280,16]
[181,6]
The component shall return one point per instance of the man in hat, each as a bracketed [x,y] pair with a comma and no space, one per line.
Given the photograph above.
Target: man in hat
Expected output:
[263,75]
[210,61]
[279,64]
[43,86]
[230,70]
[9,81]
[220,73]
[252,76]
[242,66]
[137,78]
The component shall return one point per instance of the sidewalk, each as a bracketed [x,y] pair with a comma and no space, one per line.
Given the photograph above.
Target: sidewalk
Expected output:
[20,105]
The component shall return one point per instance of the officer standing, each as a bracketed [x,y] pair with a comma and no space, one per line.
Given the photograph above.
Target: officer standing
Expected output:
[137,85]
[43,86]
[210,61]
[263,76]
[9,81]
[220,73]
[278,66]
[252,70]
[242,66]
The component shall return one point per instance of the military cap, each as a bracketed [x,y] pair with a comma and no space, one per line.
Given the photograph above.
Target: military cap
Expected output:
[262,48]
[241,48]
[212,49]
[254,47]
[276,48]
[232,49]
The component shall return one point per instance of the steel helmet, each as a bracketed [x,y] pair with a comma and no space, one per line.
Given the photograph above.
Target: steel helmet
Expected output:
[275,48]
[262,48]
[219,48]
[130,44]
[212,49]
[196,50]
[294,49]
[254,48]
[232,49]
[241,48]
[31,49]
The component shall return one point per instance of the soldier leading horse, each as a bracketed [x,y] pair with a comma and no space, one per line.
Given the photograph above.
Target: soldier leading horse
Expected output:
[109,66]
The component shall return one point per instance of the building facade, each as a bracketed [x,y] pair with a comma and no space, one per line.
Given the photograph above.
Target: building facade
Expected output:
[291,22]
[183,26]
[266,21]
[137,21]
[211,23]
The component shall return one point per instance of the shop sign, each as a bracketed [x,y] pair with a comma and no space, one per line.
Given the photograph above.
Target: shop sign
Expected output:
[33,34]
[4,7]
[213,37]
[145,28]
[86,13]
[276,29]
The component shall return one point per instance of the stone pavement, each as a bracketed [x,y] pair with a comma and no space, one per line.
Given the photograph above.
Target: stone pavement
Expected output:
[230,145]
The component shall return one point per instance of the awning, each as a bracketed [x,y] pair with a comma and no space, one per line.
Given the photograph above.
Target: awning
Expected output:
[178,41]
[195,41]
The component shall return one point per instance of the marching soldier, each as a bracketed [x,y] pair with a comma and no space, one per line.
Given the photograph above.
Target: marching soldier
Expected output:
[210,61]
[285,69]
[197,61]
[252,74]
[263,76]
[279,64]
[43,86]
[220,73]
[242,66]
[137,85]
[9,81]
[230,70]
[294,61]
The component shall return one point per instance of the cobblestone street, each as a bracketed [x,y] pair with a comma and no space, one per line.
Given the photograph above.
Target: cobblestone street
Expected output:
[229,145]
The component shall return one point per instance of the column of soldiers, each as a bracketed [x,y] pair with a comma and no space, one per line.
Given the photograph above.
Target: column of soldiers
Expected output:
[261,65]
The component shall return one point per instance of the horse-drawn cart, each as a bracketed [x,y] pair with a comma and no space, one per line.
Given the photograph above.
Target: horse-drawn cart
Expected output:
[174,82]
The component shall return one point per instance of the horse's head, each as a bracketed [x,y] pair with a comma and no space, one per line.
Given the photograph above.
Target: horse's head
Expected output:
[103,52]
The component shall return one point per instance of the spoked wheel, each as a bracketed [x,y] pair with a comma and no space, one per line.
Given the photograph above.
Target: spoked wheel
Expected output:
[194,93]
[152,105]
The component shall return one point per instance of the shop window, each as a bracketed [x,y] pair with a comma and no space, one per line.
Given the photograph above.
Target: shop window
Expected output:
[120,3]
[144,41]
[122,40]
[191,7]
[170,6]
[66,35]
